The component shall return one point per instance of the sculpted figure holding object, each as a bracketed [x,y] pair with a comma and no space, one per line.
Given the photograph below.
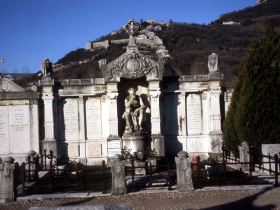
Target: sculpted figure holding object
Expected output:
[134,113]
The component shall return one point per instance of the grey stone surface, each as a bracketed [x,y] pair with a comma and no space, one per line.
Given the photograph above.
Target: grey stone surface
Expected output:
[201,78]
[118,175]
[7,170]
[184,172]
[244,156]
[158,144]
[125,206]
[270,149]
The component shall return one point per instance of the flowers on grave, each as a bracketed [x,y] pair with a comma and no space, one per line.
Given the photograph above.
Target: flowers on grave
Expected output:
[139,156]
[194,160]
[61,160]
[73,165]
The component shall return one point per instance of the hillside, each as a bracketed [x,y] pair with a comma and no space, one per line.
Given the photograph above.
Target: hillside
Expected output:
[189,45]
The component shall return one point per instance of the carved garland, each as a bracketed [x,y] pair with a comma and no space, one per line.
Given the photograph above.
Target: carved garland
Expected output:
[133,66]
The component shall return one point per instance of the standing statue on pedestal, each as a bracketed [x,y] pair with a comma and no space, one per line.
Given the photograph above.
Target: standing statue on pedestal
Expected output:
[134,113]
[46,67]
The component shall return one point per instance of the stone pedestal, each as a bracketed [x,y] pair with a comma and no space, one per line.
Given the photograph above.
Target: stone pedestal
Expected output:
[184,172]
[157,138]
[49,143]
[118,175]
[135,142]
[7,170]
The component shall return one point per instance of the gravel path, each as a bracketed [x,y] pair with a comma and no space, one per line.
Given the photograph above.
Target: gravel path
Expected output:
[199,199]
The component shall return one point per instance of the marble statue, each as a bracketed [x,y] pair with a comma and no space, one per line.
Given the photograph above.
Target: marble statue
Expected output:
[46,67]
[134,113]
[213,63]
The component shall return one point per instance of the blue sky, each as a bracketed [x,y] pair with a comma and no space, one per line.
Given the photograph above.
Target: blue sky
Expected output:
[32,30]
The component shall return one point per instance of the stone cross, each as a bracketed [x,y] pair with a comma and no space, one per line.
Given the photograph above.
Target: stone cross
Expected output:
[131,28]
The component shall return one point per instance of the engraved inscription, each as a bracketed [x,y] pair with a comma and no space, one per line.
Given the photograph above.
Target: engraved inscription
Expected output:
[93,117]
[19,129]
[194,114]
[94,149]
[71,120]
[4,130]
[73,150]
[112,152]
[114,144]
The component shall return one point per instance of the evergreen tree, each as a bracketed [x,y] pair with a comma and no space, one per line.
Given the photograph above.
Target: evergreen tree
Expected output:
[254,114]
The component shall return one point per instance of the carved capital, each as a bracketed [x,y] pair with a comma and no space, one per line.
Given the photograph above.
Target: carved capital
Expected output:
[112,95]
[154,94]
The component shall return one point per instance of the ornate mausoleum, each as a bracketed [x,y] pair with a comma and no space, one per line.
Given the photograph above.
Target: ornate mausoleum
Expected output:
[133,105]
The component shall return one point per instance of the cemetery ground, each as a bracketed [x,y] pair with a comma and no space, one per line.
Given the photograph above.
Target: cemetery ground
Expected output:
[198,199]
[208,194]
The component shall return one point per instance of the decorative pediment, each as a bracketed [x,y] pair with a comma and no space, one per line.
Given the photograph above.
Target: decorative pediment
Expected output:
[8,86]
[131,65]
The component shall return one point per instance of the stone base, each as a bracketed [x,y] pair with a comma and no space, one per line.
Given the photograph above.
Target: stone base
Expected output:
[158,144]
[184,188]
[6,200]
[135,142]
[50,145]
[119,191]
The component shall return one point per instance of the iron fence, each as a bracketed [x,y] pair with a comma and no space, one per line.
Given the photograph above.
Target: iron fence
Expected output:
[29,172]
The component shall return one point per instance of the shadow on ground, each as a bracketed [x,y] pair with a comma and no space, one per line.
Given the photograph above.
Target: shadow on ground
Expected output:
[245,203]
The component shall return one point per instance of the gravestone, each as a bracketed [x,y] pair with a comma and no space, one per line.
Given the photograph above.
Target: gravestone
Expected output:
[184,172]
[244,155]
[71,122]
[194,114]
[7,170]
[19,127]
[270,149]
[93,118]
[118,175]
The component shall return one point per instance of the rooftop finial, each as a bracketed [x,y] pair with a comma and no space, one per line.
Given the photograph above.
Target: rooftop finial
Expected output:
[131,28]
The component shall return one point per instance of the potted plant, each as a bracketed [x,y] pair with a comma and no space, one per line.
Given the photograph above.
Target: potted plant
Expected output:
[60,165]
[75,171]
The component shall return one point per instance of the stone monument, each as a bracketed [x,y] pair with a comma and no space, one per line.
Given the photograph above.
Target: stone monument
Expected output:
[213,64]
[134,135]
[184,172]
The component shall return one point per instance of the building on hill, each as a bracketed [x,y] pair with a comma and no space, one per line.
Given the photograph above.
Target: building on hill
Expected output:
[151,21]
[132,105]
[231,23]
[260,2]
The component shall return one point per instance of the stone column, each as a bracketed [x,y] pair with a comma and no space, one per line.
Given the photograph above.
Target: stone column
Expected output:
[184,172]
[157,138]
[215,117]
[49,143]
[112,96]
[7,170]
[118,175]
[113,139]
[82,129]
[215,113]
